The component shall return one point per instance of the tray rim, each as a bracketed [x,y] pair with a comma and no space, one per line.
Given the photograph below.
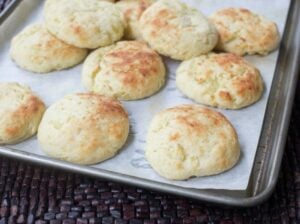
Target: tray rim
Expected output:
[277,148]
[8,10]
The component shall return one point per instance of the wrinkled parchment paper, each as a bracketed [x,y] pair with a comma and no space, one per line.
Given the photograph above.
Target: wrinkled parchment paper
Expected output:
[131,160]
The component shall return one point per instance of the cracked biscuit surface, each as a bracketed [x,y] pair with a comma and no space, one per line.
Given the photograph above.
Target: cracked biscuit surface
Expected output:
[244,32]
[84,128]
[85,24]
[37,50]
[220,80]
[20,113]
[133,10]
[176,30]
[128,70]
[190,140]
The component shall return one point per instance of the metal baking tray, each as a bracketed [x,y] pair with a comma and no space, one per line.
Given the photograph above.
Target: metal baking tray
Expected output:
[271,145]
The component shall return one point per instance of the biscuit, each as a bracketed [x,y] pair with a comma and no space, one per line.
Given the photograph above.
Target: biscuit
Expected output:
[84,128]
[36,50]
[244,32]
[133,10]
[20,113]
[176,30]
[190,140]
[220,80]
[128,70]
[85,24]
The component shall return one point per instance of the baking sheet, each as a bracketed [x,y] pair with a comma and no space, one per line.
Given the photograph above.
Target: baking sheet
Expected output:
[130,160]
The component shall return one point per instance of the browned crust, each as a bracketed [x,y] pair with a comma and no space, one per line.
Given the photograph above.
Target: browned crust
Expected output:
[160,22]
[175,136]
[194,125]
[226,60]
[133,61]
[24,113]
[106,105]
[234,13]
[142,6]
[225,96]
[261,37]
[186,115]
[246,84]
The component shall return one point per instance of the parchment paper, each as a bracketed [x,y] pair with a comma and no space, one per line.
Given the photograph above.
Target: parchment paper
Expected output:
[130,160]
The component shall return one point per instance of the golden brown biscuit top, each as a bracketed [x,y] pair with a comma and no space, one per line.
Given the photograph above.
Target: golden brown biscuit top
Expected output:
[176,30]
[18,106]
[134,8]
[18,99]
[36,49]
[196,119]
[105,105]
[31,106]
[242,31]
[222,80]
[132,61]
[242,74]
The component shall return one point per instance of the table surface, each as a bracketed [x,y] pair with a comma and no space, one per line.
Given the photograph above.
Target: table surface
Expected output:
[32,194]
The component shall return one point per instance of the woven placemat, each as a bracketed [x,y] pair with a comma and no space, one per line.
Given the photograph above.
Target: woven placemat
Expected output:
[31,194]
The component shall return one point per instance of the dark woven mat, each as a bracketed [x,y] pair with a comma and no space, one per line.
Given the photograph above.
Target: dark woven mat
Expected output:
[31,194]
